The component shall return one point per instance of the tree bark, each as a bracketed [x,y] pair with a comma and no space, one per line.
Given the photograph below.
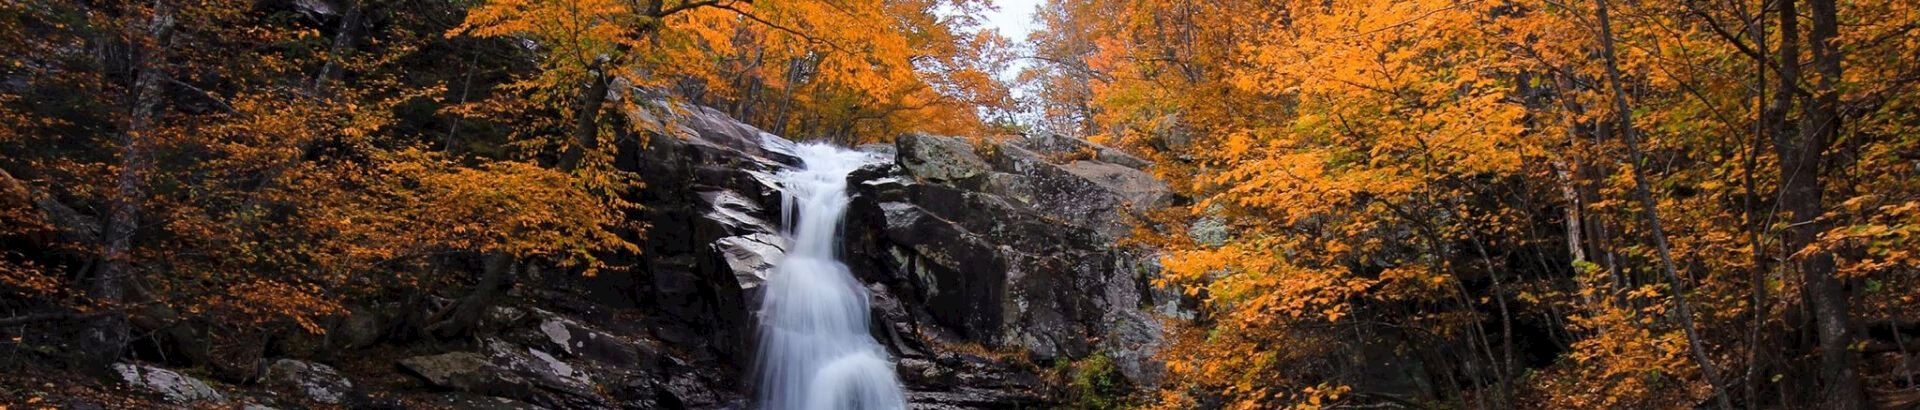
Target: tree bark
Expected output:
[464,316]
[1801,165]
[342,43]
[1650,208]
[107,335]
[586,120]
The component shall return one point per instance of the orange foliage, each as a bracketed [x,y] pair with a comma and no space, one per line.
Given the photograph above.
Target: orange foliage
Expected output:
[1435,174]
[856,72]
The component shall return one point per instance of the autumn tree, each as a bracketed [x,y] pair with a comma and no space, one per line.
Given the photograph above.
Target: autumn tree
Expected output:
[228,172]
[242,163]
[1588,204]
[853,72]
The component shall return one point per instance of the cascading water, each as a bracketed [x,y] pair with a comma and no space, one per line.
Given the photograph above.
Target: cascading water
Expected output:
[815,351]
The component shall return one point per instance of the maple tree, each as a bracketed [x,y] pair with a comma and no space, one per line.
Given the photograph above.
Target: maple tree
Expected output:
[853,72]
[1553,204]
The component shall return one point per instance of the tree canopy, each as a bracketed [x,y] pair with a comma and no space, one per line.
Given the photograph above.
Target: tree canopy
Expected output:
[1589,204]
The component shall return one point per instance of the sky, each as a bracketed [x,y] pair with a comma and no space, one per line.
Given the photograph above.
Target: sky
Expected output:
[1014,19]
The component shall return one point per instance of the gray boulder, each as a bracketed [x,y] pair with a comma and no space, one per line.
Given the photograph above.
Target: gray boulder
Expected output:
[751,256]
[468,372]
[940,159]
[1135,188]
[1065,147]
[542,368]
[172,385]
[572,339]
[317,382]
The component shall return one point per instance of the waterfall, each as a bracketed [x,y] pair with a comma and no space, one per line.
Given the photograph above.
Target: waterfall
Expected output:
[815,350]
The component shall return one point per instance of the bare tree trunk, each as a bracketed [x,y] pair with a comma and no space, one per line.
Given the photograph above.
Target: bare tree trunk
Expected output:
[1763,127]
[1507,364]
[464,316]
[1651,209]
[342,42]
[1801,163]
[586,120]
[107,335]
[1783,135]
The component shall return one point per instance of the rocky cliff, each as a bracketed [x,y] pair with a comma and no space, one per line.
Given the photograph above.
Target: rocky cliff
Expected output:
[988,261]
[991,265]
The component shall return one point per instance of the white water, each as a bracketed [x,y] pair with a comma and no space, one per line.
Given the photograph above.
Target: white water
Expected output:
[815,352]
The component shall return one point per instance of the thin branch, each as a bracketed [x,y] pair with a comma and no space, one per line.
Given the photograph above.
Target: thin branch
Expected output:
[209,95]
[48,317]
[778,26]
[685,7]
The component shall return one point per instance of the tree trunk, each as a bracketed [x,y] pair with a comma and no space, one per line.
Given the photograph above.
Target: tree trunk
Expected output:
[464,316]
[1802,194]
[342,42]
[586,120]
[1650,208]
[1768,123]
[107,335]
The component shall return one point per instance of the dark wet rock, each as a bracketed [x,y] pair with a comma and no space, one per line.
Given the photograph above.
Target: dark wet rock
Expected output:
[924,373]
[971,399]
[360,328]
[476,402]
[1025,255]
[751,256]
[572,339]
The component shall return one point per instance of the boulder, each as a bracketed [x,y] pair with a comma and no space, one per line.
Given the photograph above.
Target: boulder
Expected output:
[360,328]
[1135,188]
[737,214]
[1062,146]
[172,385]
[940,159]
[541,368]
[468,372]
[751,256]
[573,339]
[712,209]
[474,402]
[1210,231]
[317,382]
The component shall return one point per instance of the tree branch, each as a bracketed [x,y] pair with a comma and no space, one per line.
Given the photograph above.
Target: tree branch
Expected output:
[777,26]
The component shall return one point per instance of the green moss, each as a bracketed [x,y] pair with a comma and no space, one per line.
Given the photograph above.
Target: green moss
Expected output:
[1094,383]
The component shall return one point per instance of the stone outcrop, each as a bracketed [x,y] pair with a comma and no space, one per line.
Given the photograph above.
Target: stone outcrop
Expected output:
[1019,253]
[1014,246]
